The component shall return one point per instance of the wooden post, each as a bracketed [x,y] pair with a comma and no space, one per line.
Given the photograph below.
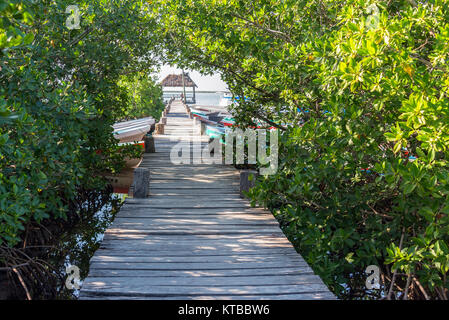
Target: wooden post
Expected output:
[203,128]
[149,144]
[141,183]
[196,126]
[245,182]
[159,128]
[184,85]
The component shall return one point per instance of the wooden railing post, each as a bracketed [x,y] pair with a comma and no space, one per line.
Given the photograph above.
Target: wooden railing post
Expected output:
[159,128]
[149,144]
[246,182]
[202,128]
[141,183]
[197,125]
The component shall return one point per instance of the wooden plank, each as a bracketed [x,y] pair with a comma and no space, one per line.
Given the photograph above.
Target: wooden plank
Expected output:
[202,259]
[192,196]
[138,244]
[203,252]
[192,214]
[176,192]
[192,204]
[174,185]
[188,231]
[250,280]
[207,217]
[255,240]
[131,205]
[325,295]
[156,224]
[121,285]
[197,221]
[225,177]
[196,273]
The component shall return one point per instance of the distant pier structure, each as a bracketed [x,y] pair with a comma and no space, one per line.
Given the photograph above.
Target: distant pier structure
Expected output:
[179,83]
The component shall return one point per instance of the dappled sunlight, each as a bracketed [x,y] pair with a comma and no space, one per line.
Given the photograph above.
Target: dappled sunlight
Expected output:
[195,236]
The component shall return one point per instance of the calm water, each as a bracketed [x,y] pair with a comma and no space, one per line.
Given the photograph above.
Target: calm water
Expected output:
[202,98]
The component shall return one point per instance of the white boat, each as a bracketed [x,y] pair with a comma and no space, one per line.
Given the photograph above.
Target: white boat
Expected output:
[134,130]
[225,99]
[132,133]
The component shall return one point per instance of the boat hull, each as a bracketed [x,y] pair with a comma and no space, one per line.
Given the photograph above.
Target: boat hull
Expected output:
[121,182]
[133,162]
[133,130]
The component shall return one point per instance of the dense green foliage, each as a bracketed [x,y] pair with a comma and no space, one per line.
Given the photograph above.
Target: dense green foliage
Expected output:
[59,95]
[370,79]
[355,87]
[144,96]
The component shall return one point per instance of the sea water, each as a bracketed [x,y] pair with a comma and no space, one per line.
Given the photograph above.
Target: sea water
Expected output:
[202,98]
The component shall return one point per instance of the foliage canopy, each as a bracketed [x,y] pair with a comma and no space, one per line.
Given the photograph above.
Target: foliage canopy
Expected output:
[358,89]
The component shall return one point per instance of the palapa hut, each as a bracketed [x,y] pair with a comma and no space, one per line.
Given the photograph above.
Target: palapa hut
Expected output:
[180,82]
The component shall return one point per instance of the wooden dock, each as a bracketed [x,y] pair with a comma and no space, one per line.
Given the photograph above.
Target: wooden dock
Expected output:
[195,238]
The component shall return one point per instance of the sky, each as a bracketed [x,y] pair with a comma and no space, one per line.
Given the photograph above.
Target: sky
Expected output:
[204,83]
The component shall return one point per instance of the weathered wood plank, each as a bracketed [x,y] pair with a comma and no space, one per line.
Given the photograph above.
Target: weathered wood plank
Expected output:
[194,216]
[202,259]
[139,244]
[326,295]
[175,222]
[254,240]
[197,266]
[197,273]
[250,280]
[203,252]
[141,233]
[121,285]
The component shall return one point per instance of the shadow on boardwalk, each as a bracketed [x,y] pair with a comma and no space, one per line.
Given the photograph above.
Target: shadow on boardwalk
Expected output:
[195,238]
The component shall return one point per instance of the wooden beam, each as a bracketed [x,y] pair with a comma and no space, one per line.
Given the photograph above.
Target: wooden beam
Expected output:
[141,183]
[149,144]
[247,181]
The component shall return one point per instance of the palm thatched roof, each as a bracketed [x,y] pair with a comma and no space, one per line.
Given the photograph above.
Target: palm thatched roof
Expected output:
[175,80]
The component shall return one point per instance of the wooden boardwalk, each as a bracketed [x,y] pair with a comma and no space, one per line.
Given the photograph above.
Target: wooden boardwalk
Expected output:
[195,238]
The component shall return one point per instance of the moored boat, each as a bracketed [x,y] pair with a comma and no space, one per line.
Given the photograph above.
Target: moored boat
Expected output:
[134,130]
[133,162]
[121,182]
